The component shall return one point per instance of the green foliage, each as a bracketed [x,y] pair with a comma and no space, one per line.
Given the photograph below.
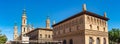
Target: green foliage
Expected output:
[3,38]
[114,36]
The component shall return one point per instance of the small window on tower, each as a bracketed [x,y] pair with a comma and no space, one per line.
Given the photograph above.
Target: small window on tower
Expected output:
[24,29]
[24,21]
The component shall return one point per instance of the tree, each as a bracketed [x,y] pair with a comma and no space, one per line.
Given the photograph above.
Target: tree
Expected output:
[3,38]
[114,36]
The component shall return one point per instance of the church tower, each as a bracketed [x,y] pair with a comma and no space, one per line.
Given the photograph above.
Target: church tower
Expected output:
[48,23]
[24,23]
[15,32]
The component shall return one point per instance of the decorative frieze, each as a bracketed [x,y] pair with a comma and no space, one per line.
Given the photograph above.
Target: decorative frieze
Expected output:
[96,33]
[73,33]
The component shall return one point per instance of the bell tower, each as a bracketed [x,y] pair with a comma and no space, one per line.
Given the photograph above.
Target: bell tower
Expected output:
[48,23]
[24,23]
[15,32]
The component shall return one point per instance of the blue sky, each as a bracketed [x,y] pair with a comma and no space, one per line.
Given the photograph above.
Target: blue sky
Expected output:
[38,10]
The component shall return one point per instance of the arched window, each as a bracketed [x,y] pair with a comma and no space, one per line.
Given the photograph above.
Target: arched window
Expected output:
[64,42]
[77,27]
[95,20]
[80,20]
[24,21]
[91,19]
[24,29]
[90,26]
[45,35]
[102,23]
[76,22]
[72,22]
[104,41]
[70,41]
[49,36]
[90,40]
[104,28]
[105,23]
[63,30]
[97,27]
[40,35]
[59,32]
[88,19]
[99,22]
[70,29]
[97,41]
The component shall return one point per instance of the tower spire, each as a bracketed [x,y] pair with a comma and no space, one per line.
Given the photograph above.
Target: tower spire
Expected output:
[84,7]
[105,14]
[24,12]
[48,23]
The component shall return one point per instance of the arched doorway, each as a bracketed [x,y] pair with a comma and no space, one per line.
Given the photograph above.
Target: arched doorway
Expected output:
[90,40]
[97,41]
[71,41]
[64,41]
[104,41]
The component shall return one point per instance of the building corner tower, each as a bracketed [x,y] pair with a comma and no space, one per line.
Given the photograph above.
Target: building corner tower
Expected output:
[15,32]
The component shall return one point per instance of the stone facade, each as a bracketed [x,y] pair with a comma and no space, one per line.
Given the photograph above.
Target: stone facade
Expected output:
[40,34]
[83,28]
